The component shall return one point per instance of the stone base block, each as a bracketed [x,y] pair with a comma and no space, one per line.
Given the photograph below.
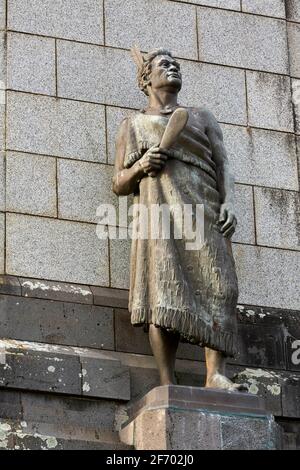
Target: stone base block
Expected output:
[191,418]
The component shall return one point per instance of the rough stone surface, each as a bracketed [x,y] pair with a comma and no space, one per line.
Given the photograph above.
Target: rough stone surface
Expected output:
[2,13]
[105,379]
[294,52]
[161,22]
[2,181]
[293,10]
[269,101]
[254,160]
[277,218]
[296,102]
[10,285]
[31,64]
[2,89]
[2,230]
[226,4]
[70,19]
[274,8]
[30,184]
[82,187]
[247,41]
[56,291]
[224,89]
[57,250]
[97,74]
[245,231]
[54,322]
[258,432]
[110,297]
[120,262]
[267,276]
[49,126]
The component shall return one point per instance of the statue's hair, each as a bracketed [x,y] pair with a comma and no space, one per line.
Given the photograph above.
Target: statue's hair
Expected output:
[144,65]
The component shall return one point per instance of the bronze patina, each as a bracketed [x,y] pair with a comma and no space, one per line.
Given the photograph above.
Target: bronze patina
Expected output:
[179,294]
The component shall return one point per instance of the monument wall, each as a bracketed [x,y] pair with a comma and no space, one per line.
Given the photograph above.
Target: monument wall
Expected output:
[67,80]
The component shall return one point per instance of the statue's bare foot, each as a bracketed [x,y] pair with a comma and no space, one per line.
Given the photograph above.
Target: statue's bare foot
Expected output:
[221,382]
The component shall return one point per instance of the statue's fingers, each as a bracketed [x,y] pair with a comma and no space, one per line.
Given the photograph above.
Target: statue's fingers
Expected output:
[223,215]
[229,232]
[227,224]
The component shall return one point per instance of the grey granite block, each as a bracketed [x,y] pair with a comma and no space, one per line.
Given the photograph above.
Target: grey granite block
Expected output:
[274,8]
[2,235]
[294,52]
[277,218]
[56,250]
[31,64]
[161,23]
[49,126]
[296,103]
[267,276]
[120,262]
[242,40]
[70,19]
[245,230]
[2,181]
[293,10]
[2,14]
[226,4]
[269,101]
[30,184]
[114,117]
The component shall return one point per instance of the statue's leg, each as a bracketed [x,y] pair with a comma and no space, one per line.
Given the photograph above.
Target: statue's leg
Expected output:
[215,378]
[164,345]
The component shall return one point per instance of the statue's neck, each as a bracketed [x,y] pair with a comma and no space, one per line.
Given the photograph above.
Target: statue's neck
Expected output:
[162,99]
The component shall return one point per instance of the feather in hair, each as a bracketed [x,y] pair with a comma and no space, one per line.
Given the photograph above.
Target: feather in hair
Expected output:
[137,57]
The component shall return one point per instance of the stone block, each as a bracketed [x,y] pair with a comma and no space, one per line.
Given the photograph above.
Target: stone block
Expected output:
[296,103]
[105,379]
[277,218]
[69,19]
[114,117]
[2,88]
[2,248]
[268,276]
[293,10]
[275,8]
[31,64]
[82,187]
[234,430]
[246,41]
[48,126]
[160,21]
[2,14]
[291,397]
[10,285]
[254,161]
[294,52]
[269,101]
[110,297]
[226,4]
[10,405]
[56,250]
[120,262]
[97,74]
[56,291]
[31,184]
[2,181]
[245,230]
[224,87]
[55,322]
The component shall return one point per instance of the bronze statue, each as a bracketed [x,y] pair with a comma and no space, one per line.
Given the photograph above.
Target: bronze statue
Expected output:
[179,294]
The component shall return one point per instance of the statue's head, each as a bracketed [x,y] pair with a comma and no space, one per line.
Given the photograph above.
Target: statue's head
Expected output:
[157,69]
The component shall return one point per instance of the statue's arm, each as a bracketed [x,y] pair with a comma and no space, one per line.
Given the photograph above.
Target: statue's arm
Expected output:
[125,180]
[225,178]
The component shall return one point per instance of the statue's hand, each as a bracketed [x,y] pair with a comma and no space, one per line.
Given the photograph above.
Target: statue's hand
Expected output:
[153,161]
[227,220]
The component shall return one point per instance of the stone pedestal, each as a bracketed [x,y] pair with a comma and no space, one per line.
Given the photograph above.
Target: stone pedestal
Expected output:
[192,418]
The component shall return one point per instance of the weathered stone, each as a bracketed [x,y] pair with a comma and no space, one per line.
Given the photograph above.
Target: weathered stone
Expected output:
[269,101]
[110,297]
[226,4]
[114,117]
[70,19]
[31,64]
[253,160]
[161,22]
[293,10]
[2,231]
[277,218]
[120,262]
[54,249]
[247,41]
[291,397]
[259,282]
[82,187]
[296,102]
[56,322]
[294,52]
[56,291]
[224,87]
[245,231]
[48,126]
[274,8]
[258,432]
[290,434]
[105,379]
[31,184]
[2,88]
[2,181]
[10,285]
[2,14]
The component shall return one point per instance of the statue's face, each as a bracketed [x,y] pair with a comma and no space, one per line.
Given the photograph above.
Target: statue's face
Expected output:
[165,72]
